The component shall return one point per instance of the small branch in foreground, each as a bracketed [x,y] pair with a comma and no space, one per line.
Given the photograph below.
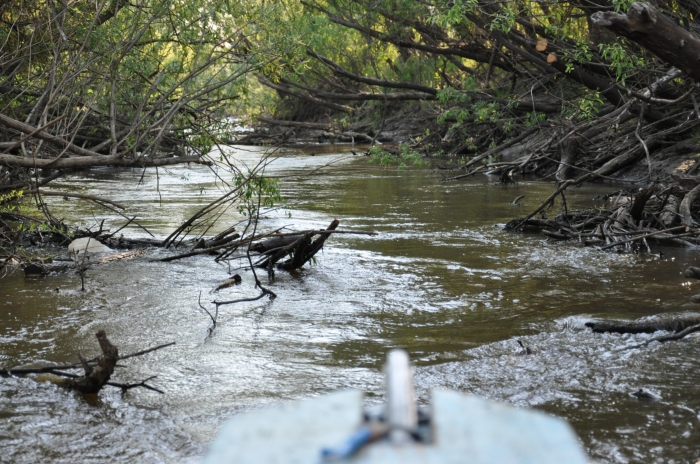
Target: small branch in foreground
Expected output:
[129,386]
[263,291]
[140,353]
[676,336]
[97,370]
[83,196]
[641,237]
[212,317]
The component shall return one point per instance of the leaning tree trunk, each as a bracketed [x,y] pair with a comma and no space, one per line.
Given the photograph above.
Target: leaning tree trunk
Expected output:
[659,34]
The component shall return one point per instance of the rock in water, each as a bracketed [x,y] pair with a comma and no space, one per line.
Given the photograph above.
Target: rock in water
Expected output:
[645,395]
[87,244]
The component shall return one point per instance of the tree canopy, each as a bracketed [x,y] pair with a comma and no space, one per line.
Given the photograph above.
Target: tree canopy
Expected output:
[152,83]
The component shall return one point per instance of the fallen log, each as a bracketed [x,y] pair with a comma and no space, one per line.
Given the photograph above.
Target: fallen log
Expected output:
[640,201]
[97,371]
[302,250]
[274,243]
[95,161]
[645,325]
[36,269]
[96,376]
[40,134]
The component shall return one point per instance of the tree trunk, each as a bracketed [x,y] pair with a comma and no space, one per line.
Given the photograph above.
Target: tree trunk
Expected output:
[659,34]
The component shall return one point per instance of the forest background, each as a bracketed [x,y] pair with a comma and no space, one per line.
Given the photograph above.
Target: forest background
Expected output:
[573,90]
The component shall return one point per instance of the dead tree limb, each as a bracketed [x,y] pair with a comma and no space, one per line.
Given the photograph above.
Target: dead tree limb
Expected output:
[98,371]
[678,335]
[95,161]
[38,133]
[676,324]
[143,384]
[96,377]
[309,98]
[642,237]
[338,70]
[213,317]
[308,252]
[83,196]
[656,32]
[302,125]
[141,353]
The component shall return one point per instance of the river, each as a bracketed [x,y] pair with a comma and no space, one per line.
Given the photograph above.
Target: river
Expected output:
[441,279]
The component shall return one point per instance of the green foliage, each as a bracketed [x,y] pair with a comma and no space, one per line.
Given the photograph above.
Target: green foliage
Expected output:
[165,67]
[533,119]
[455,14]
[256,190]
[403,158]
[9,202]
[487,112]
[580,54]
[14,203]
[589,104]
[622,5]
[504,20]
[624,63]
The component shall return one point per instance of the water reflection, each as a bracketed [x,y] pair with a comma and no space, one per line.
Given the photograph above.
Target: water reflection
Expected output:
[440,279]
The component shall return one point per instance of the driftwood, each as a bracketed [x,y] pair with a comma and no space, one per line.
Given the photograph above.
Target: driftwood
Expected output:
[646,325]
[627,222]
[37,269]
[96,376]
[302,250]
[225,251]
[274,243]
[235,280]
[97,371]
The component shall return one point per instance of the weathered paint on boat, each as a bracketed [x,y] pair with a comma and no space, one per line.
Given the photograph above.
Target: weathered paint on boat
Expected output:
[466,429]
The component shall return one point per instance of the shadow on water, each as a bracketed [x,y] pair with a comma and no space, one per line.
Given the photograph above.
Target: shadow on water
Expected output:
[441,279]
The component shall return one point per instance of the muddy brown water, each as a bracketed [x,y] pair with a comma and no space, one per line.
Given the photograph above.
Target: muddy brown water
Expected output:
[440,279]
